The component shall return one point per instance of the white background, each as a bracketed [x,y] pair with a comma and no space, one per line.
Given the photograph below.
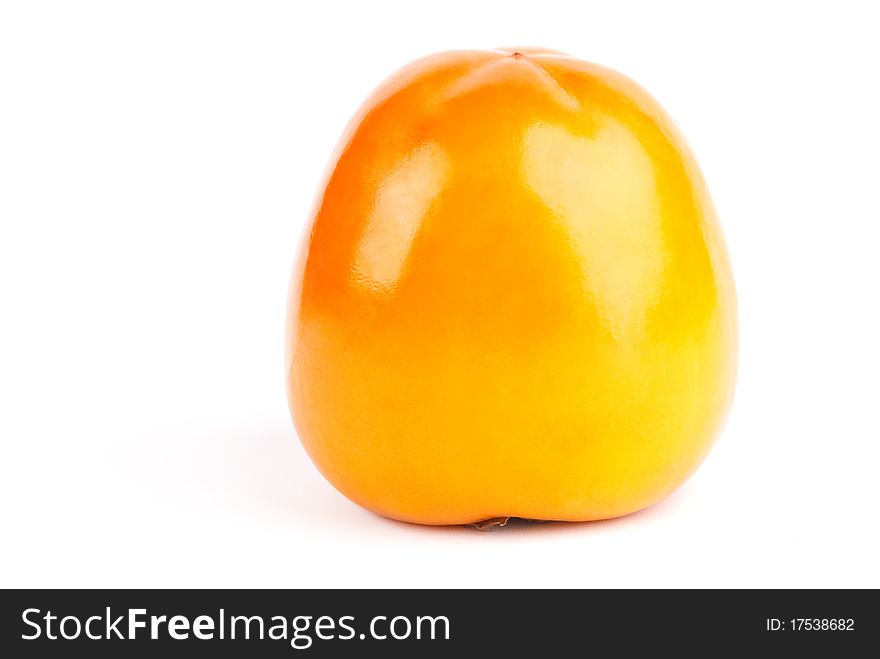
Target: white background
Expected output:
[157,164]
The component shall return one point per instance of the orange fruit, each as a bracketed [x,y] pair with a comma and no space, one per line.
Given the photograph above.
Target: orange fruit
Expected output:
[514,297]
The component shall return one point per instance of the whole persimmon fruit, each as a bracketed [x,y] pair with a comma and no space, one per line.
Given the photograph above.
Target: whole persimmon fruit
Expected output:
[514,297]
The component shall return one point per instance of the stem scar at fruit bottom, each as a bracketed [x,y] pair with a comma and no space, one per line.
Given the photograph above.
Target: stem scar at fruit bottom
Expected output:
[497,522]
[489,524]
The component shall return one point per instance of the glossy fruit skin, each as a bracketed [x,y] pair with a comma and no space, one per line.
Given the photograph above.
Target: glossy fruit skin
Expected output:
[514,298]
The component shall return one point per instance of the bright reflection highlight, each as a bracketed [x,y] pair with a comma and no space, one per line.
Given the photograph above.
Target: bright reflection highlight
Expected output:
[400,204]
[611,215]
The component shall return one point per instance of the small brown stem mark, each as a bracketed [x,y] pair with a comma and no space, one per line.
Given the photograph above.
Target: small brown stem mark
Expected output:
[489,524]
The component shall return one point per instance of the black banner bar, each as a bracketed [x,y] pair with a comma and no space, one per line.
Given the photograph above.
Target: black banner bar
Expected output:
[288,623]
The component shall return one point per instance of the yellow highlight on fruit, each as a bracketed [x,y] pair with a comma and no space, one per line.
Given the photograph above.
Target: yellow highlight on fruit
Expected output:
[514,298]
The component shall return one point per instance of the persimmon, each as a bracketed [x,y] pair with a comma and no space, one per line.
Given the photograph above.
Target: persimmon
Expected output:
[514,297]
